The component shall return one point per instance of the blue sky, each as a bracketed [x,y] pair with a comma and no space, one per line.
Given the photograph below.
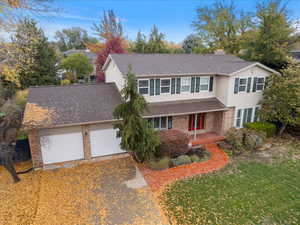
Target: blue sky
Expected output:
[173,17]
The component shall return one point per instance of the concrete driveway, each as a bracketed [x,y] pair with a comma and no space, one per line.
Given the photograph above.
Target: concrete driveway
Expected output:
[108,193]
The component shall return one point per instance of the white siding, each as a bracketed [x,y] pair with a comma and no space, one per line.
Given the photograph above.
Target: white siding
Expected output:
[181,96]
[222,83]
[244,100]
[113,74]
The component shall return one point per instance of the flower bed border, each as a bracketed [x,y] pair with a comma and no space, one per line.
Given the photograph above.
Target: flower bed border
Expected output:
[157,179]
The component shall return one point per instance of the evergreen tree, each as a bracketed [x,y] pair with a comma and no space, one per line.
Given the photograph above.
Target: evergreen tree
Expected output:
[137,136]
[156,43]
[34,58]
[140,44]
[192,43]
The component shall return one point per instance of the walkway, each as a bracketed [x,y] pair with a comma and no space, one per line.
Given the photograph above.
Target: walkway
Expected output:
[157,179]
[205,138]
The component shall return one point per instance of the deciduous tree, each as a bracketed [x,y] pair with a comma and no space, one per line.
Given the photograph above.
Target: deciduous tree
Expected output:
[281,98]
[78,65]
[192,43]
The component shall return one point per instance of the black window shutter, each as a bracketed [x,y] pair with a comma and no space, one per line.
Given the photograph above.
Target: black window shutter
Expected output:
[173,85]
[193,85]
[236,85]
[157,86]
[178,85]
[249,84]
[151,87]
[254,84]
[211,83]
[197,84]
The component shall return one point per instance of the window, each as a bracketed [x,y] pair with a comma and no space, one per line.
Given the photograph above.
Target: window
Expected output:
[204,83]
[143,86]
[242,84]
[260,83]
[238,118]
[256,118]
[246,115]
[161,123]
[165,86]
[196,121]
[185,84]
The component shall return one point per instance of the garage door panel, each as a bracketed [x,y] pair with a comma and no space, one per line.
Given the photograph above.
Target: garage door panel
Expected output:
[104,141]
[59,145]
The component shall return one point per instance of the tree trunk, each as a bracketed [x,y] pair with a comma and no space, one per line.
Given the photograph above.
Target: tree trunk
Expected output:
[282,129]
[6,159]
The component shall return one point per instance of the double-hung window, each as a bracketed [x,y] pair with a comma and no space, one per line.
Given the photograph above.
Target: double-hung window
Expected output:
[185,84]
[161,123]
[260,83]
[165,86]
[204,83]
[242,84]
[143,87]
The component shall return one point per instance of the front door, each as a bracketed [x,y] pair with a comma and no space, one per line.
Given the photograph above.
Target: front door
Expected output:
[197,121]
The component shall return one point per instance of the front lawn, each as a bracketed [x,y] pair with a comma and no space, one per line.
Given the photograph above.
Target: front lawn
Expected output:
[261,188]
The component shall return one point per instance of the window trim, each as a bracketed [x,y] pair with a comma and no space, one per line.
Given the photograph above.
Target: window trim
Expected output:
[162,86]
[260,84]
[168,118]
[208,83]
[242,115]
[148,87]
[190,84]
[243,78]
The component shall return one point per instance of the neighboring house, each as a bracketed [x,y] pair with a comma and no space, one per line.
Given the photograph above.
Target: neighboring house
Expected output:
[192,93]
[91,56]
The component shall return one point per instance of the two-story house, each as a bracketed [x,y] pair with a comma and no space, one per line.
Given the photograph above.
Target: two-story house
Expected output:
[192,93]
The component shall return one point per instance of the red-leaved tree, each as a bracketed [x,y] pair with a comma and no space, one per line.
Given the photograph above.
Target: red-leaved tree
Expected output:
[112,45]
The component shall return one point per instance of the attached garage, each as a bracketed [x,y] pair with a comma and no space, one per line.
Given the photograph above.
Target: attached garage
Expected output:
[104,140]
[61,144]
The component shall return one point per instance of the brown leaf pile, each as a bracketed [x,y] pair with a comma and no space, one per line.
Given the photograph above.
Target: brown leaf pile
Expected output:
[37,116]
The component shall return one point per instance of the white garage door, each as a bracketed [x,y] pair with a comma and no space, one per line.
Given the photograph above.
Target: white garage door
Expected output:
[62,144]
[104,140]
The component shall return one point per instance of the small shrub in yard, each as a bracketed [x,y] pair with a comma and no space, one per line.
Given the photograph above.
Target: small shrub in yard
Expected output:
[181,160]
[269,128]
[244,139]
[161,164]
[173,143]
[195,158]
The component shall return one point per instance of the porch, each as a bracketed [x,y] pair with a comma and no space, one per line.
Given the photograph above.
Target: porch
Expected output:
[205,138]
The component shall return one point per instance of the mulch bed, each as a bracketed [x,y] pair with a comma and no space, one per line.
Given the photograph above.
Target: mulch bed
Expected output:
[157,179]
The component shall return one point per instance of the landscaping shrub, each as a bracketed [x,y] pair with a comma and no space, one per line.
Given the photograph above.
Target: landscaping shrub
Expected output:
[195,158]
[161,164]
[269,128]
[244,140]
[173,143]
[181,160]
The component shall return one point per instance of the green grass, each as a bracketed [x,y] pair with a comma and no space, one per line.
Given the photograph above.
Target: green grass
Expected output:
[250,192]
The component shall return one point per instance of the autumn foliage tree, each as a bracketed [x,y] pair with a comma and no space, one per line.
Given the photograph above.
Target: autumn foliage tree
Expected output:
[112,45]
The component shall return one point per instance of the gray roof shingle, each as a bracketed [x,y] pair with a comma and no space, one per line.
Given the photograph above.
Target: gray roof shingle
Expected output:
[175,64]
[185,107]
[75,104]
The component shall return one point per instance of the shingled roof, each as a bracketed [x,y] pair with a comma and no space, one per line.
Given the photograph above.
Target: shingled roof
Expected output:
[51,106]
[182,107]
[178,64]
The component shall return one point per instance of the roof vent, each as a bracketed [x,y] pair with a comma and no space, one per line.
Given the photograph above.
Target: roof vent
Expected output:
[220,52]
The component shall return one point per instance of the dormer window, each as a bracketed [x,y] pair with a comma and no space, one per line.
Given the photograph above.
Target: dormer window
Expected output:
[143,87]
[185,84]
